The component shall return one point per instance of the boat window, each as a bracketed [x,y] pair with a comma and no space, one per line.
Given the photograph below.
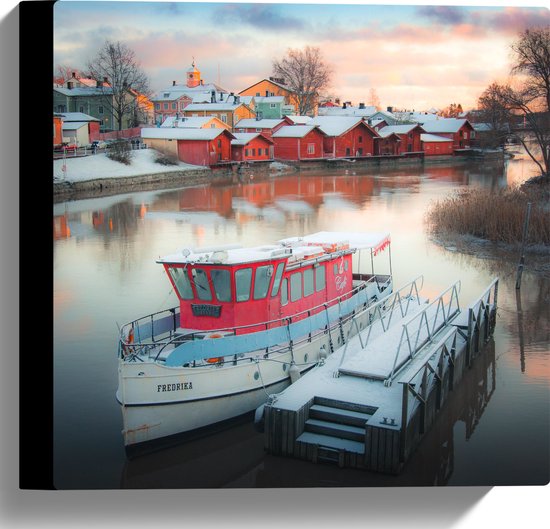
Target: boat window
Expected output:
[202,285]
[221,279]
[284,291]
[243,278]
[308,282]
[295,286]
[181,280]
[335,269]
[261,281]
[320,280]
[277,280]
[346,265]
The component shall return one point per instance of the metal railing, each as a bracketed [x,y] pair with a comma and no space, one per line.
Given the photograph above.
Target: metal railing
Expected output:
[418,331]
[402,299]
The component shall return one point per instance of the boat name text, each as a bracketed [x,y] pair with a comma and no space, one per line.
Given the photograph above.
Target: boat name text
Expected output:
[161,388]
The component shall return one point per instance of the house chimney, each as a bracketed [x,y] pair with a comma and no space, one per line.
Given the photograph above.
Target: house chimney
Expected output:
[105,80]
[173,83]
[361,105]
[221,96]
[202,84]
[70,85]
[98,84]
[74,75]
[337,100]
[344,105]
[389,109]
[213,96]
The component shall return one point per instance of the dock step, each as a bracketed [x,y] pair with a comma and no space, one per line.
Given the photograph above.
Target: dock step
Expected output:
[339,415]
[342,431]
[334,443]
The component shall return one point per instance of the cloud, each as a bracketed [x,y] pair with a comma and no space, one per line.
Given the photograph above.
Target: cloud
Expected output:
[443,14]
[256,15]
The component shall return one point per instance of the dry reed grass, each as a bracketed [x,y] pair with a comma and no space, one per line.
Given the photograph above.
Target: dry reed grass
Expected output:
[494,215]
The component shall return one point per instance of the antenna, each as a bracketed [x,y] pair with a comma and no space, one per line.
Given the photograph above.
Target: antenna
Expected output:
[219,74]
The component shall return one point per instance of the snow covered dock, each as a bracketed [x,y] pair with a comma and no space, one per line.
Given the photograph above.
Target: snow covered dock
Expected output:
[370,402]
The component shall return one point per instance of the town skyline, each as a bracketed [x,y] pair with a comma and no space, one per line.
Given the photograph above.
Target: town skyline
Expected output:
[413,56]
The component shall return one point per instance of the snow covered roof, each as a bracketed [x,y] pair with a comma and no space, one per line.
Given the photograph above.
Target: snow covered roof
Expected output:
[251,123]
[212,106]
[182,133]
[74,125]
[294,131]
[294,248]
[267,99]
[444,125]
[336,125]
[193,122]
[434,138]
[77,116]
[396,129]
[358,240]
[244,138]
[348,111]
[84,91]
[300,120]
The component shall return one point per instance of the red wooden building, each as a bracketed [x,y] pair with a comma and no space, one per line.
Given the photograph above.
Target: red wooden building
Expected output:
[302,142]
[57,130]
[408,134]
[459,130]
[387,145]
[251,146]
[265,126]
[346,136]
[193,146]
[434,145]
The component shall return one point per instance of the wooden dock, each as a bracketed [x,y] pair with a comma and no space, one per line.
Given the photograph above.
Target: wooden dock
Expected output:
[369,404]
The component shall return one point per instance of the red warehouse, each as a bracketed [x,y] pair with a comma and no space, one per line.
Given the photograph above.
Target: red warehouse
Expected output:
[251,146]
[346,136]
[436,145]
[459,130]
[266,126]
[193,146]
[408,134]
[387,145]
[298,142]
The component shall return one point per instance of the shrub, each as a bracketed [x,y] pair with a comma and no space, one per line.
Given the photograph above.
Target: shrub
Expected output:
[164,159]
[120,151]
[497,216]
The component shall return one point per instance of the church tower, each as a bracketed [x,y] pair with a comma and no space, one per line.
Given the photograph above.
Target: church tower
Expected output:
[193,76]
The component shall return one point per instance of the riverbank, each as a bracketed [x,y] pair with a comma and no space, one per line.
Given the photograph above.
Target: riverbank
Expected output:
[97,175]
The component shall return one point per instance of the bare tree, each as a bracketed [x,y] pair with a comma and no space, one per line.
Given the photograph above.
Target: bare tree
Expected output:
[494,113]
[117,63]
[528,100]
[452,111]
[63,73]
[374,100]
[306,74]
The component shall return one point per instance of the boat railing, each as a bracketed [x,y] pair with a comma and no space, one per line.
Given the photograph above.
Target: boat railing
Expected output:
[165,323]
[383,312]
[421,328]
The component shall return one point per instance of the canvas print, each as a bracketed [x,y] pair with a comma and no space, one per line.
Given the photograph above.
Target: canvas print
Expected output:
[300,245]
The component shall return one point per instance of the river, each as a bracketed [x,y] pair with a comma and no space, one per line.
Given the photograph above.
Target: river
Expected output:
[494,429]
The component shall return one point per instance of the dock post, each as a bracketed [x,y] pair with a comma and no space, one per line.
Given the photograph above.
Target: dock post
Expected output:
[524,238]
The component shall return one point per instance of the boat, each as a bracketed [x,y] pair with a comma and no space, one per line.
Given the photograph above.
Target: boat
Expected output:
[249,322]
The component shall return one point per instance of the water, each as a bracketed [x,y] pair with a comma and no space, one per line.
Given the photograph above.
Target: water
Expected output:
[494,430]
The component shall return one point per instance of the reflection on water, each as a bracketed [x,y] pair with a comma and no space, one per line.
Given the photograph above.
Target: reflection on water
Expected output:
[494,429]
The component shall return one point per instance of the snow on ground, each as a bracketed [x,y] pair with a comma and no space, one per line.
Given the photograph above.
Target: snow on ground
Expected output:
[81,169]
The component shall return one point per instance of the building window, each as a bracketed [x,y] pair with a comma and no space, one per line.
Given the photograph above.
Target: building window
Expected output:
[100,109]
[81,109]
[246,152]
[219,144]
[360,139]
[258,130]
[311,148]
[308,282]
[262,280]
[165,106]
[253,152]
[224,118]
[284,291]
[157,106]
[295,286]
[182,105]
[257,94]
[271,94]
[174,106]
[166,94]
[320,281]
[243,279]
[259,152]
[465,135]
[202,284]
[221,280]
[272,105]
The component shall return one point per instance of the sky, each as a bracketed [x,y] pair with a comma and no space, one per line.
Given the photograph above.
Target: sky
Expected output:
[416,57]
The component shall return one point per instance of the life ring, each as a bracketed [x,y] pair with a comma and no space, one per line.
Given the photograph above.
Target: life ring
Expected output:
[214,359]
[127,345]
